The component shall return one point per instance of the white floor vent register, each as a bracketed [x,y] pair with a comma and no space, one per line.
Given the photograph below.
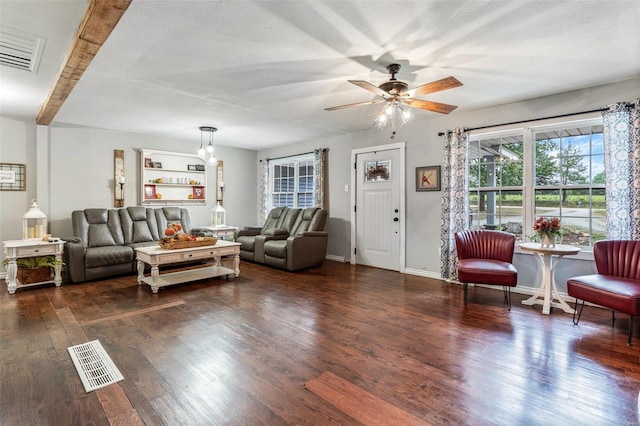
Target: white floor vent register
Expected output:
[94,366]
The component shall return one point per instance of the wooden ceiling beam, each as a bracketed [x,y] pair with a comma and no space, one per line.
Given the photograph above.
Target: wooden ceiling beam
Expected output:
[99,20]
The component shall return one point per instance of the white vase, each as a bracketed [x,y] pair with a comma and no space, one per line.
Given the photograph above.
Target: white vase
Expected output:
[548,241]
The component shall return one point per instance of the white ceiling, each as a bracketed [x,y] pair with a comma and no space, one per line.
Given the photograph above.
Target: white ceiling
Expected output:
[263,71]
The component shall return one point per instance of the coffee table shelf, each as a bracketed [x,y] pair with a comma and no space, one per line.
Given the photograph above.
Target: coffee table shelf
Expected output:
[155,257]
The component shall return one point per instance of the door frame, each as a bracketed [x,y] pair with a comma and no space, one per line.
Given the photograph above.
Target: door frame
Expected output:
[401,146]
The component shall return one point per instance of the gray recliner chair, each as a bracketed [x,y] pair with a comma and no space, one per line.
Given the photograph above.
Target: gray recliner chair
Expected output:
[290,239]
[304,246]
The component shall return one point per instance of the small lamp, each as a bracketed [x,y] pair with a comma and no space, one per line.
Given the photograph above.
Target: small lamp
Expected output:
[34,223]
[218,214]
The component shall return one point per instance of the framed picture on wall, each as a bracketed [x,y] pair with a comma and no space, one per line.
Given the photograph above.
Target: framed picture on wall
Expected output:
[428,178]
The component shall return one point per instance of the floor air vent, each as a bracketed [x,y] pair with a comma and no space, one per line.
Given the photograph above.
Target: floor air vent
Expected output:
[20,50]
[94,366]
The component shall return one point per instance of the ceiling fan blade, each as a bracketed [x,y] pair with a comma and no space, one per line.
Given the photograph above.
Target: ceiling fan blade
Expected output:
[429,106]
[370,87]
[435,86]
[377,101]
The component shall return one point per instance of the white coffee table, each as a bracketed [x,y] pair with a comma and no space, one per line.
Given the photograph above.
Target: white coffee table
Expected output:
[155,256]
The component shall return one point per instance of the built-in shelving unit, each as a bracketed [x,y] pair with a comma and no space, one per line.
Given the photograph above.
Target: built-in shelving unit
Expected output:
[172,178]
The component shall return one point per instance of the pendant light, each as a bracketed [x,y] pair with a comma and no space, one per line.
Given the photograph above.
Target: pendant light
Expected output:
[207,153]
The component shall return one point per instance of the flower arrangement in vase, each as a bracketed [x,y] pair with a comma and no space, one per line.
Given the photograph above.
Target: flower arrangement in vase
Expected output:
[547,230]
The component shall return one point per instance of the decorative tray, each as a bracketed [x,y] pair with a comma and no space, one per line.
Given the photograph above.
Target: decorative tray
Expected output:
[172,243]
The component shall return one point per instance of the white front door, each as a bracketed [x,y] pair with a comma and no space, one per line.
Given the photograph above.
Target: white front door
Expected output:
[379,182]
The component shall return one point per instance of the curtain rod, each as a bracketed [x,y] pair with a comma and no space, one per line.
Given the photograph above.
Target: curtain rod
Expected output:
[627,104]
[286,156]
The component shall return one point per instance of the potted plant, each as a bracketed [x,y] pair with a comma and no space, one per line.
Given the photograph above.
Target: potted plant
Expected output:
[34,269]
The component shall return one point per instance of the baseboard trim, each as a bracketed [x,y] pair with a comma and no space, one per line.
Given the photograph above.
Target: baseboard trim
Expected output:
[335,258]
[422,273]
[520,289]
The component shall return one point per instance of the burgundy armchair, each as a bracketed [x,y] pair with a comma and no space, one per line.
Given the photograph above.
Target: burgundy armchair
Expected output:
[485,257]
[616,285]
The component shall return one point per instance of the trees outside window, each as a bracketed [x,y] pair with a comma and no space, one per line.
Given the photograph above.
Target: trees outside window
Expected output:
[558,170]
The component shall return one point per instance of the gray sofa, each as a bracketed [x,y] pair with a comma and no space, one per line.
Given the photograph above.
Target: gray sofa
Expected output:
[290,239]
[104,240]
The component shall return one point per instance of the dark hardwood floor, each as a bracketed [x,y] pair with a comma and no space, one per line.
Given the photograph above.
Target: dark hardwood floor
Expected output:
[241,351]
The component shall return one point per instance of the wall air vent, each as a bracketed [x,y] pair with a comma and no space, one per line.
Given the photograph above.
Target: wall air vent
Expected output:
[20,50]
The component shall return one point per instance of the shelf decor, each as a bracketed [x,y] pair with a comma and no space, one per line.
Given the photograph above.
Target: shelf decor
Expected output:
[179,181]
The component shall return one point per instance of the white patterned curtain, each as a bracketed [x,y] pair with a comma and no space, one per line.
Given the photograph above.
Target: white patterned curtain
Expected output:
[621,136]
[455,199]
[264,201]
[320,178]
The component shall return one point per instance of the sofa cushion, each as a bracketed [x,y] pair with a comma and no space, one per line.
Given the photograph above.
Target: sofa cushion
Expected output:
[487,271]
[309,219]
[138,225]
[275,218]
[99,236]
[108,255]
[100,227]
[617,293]
[247,243]
[276,248]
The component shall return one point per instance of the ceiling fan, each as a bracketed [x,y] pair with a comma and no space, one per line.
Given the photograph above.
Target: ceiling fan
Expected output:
[396,93]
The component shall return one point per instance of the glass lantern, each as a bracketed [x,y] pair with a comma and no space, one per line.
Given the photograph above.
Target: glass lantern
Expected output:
[34,223]
[218,214]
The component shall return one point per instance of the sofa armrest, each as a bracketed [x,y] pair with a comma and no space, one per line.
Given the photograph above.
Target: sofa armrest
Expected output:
[306,250]
[201,232]
[248,231]
[74,259]
[276,234]
[314,234]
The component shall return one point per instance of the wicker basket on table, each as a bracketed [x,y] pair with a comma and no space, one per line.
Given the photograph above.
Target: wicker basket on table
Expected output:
[171,243]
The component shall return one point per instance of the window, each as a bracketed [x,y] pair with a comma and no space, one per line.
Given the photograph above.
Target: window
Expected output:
[496,183]
[557,169]
[569,181]
[292,182]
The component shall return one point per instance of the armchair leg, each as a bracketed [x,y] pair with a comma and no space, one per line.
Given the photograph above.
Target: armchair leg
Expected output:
[465,286]
[507,296]
[630,330]
[613,318]
[576,321]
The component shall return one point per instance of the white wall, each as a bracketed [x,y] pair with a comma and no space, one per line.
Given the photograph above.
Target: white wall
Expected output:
[17,145]
[424,148]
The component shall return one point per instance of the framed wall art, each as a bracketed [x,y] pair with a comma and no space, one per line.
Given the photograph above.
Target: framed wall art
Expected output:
[428,178]
[13,177]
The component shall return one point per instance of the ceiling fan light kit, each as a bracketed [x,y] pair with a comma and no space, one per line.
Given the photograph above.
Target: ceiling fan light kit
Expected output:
[398,97]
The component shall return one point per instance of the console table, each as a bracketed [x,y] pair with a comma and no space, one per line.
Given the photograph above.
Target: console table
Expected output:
[548,289]
[17,249]
[155,257]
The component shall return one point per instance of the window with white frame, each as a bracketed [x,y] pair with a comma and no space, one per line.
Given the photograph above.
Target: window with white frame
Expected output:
[557,170]
[291,181]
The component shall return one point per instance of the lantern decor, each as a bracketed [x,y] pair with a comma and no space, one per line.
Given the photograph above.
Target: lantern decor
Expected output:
[34,223]
[218,214]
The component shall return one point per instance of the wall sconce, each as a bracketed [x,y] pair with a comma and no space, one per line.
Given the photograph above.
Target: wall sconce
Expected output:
[119,201]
